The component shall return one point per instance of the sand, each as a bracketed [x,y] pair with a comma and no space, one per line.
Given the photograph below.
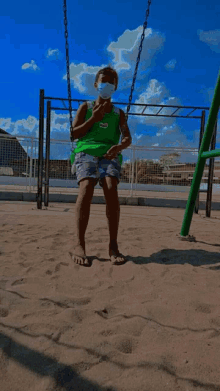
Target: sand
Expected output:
[150,324]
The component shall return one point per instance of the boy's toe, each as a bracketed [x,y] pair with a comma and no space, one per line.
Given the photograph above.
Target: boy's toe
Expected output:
[118,259]
[81,260]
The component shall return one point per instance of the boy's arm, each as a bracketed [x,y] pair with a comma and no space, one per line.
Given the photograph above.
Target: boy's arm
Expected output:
[126,139]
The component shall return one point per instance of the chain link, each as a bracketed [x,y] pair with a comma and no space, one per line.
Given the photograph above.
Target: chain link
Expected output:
[138,58]
[68,68]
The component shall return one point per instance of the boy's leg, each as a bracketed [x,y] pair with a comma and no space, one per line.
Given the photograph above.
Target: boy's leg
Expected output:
[82,212]
[109,179]
[86,172]
[82,209]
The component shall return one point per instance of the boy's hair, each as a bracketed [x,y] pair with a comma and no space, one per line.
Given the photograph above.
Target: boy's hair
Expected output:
[107,71]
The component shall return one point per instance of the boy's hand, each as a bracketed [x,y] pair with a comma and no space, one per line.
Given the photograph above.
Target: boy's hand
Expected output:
[112,152]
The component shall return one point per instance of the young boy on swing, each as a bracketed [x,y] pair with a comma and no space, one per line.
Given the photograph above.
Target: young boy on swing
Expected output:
[97,127]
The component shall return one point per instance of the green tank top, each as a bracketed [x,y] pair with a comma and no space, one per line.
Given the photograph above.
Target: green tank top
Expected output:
[102,135]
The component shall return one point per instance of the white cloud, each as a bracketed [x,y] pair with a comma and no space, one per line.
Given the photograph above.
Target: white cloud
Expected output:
[156,93]
[167,132]
[211,38]
[83,77]
[30,127]
[26,127]
[126,48]
[51,54]
[171,64]
[54,54]
[124,53]
[30,66]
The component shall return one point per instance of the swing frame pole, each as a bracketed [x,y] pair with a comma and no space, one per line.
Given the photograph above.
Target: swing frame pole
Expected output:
[204,154]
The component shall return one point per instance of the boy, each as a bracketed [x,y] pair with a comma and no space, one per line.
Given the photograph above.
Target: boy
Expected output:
[97,127]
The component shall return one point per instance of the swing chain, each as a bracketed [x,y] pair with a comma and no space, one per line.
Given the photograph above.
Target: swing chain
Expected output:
[138,58]
[67,68]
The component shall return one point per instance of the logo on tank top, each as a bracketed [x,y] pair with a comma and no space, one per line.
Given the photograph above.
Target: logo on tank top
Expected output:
[103,125]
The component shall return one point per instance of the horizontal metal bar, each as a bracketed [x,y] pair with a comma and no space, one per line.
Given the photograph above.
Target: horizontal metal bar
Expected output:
[210,154]
[61,108]
[133,104]
[143,115]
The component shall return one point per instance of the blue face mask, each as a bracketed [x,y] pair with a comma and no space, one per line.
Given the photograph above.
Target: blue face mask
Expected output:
[106,90]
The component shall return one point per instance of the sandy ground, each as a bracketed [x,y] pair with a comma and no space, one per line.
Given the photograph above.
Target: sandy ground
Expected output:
[152,324]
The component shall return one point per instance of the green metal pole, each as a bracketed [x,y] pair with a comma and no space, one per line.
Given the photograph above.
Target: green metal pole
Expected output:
[201,160]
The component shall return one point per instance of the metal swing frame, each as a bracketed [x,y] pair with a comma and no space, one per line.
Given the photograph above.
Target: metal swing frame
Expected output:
[204,153]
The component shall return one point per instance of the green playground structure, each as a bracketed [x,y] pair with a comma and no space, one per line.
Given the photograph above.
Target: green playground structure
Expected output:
[204,154]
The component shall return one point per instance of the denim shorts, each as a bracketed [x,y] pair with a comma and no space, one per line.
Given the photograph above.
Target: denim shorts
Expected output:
[87,166]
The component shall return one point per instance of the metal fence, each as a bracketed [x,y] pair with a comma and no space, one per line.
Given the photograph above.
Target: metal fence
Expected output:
[18,162]
[143,168]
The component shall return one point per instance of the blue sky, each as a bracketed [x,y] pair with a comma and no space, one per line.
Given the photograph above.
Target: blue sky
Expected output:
[179,64]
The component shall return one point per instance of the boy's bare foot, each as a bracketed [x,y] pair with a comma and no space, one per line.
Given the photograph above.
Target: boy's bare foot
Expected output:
[116,257]
[79,255]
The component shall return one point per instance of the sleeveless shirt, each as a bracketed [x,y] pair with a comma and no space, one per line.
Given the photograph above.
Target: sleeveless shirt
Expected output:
[102,135]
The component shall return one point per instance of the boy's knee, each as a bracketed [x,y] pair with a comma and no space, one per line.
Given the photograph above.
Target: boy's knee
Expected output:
[88,182]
